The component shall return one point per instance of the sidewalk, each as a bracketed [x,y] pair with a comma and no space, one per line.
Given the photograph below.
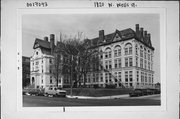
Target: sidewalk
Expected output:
[103,97]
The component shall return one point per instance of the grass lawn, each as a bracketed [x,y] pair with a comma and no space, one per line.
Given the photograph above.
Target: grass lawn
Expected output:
[97,92]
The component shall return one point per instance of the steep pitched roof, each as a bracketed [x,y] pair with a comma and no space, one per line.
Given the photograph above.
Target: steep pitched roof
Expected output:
[42,44]
[124,35]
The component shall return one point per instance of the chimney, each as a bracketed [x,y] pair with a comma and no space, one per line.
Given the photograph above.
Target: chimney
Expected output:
[145,36]
[101,35]
[52,38]
[149,39]
[137,28]
[46,38]
[141,34]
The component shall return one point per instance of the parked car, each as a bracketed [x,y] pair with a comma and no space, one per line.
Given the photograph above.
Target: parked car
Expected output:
[136,92]
[54,91]
[150,91]
[36,92]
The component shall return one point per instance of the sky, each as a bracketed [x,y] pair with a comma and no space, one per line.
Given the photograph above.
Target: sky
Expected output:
[41,25]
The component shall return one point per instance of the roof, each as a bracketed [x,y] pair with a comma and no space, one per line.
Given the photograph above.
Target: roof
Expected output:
[42,43]
[124,35]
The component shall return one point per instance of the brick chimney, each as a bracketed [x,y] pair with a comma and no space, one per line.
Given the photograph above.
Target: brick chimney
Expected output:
[145,37]
[46,38]
[101,35]
[52,40]
[141,34]
[137,30]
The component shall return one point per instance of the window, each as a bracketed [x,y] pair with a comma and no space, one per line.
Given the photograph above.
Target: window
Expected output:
[36,53]
[101,75]
[50,61]
[119,63]
[42,61]
[115,63]
[141,52]
[115,73]
[119,75]
[130,76]
[137,61]
[126,76]
[142,76]
[128,49]
[50,79]
[126,62]
[110,66]
[108,53]
[137,75]
[145,64]
[115,53]
[130,62]
[149,65]
[119,52]
[145,77]
[136,50]
[141,63]
[94,77]
[97,77]
[149,57]
[42,81]
[106,64]
[106,77]
[37,62]
[149,78]
[110,77]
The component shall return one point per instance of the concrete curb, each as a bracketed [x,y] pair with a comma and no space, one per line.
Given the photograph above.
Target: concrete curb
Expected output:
[104,97]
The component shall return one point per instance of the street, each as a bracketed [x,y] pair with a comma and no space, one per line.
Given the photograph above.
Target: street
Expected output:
[41,101]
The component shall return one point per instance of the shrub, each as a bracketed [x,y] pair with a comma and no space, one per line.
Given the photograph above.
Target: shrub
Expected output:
[110,86]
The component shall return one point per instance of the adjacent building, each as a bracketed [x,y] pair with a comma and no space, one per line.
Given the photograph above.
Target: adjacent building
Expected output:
[26,71]
[126,57]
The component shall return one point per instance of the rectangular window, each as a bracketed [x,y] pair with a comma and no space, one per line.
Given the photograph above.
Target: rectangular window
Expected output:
[37,62]
[130,50]
[50,79]
[106,64]
[144,55]
[141,63]
[126,51]
[119,63]
[137,61]
[106,77]
[110,66]
[119,75]
[109,54]
[50,61]
[149,65]
[115,53]
[101,75]
[94,77]
[136,50]
[126,62]
[130,76]
[126,76]
[106,54]
[115,73]
[115,63]
[145,77]
[137,76]
[130,62]
[110,76]
[142,76]
[145,64]
[149,57]
[97,77]
[141,53]
[119,52]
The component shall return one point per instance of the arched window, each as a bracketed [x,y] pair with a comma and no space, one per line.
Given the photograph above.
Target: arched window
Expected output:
[128,49]
[117,51]
[32,80]
[108,53]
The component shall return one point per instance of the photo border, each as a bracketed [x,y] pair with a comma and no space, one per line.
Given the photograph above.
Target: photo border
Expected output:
[162,14]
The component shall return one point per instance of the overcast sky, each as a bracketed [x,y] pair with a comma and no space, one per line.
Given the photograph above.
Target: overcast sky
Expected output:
[39,26]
